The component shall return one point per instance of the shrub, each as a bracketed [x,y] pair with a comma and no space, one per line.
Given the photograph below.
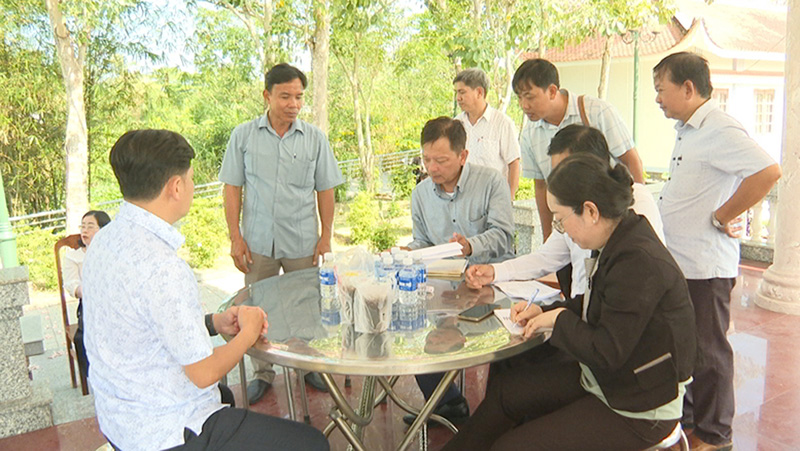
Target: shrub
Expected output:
[367,224]
[525,189]
[404,179]
[205,231]
[35,250]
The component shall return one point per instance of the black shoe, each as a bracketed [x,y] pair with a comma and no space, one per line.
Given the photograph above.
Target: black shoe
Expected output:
[315,380]
[256,390]
[456,410]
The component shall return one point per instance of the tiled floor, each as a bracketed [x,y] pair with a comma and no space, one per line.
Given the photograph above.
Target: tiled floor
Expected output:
[767,347]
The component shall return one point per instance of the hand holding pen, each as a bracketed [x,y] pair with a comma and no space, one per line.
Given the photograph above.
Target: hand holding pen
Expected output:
[522,311]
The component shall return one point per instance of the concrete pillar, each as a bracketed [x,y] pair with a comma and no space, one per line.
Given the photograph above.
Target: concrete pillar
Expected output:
[528,229]
[24,407]
[780,288]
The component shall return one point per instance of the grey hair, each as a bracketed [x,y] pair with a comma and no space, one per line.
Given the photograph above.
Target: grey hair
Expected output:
[474,78]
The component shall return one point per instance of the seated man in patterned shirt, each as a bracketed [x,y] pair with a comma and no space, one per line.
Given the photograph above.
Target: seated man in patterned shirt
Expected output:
[154,371]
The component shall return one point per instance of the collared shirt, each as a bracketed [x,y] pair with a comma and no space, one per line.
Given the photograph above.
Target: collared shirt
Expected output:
[143,324]
[479,209]
[712,155]
[280,176]
[492,141]
[559,250]
[601,115]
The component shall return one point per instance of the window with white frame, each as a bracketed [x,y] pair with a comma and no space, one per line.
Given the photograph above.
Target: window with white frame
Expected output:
[765,98]
[721,96]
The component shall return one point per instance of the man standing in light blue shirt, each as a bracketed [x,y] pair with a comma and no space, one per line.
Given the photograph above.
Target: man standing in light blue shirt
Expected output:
[717,172]
[464,203]
[154,372]
[279,162]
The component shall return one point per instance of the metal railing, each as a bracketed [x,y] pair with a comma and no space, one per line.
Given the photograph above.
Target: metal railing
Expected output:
[55,219]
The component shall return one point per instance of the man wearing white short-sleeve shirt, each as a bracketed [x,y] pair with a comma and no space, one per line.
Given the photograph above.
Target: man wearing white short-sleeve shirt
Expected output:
[716,173]
[550,109]
[491,134]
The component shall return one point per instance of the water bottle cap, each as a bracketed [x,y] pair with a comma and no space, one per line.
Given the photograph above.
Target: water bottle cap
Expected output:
[377,258]
[407,261]
[395,250]
[387,260]
[385,254]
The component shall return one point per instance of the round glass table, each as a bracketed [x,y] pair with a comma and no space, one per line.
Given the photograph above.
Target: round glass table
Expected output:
[298,339]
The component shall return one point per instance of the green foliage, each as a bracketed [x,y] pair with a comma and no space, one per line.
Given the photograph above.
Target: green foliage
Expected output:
[205,231]
[395,210]
[368,224]
[404,179]
[525,189]
[35,250]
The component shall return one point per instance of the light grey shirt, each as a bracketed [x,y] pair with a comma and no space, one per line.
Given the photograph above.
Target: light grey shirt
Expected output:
[280,177]
[143,324]
[479,209]
[713,154]
[601,115]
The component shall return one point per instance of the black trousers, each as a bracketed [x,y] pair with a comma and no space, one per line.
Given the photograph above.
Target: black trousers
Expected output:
[80,349]
[239,429]
[709,401]
[539,404]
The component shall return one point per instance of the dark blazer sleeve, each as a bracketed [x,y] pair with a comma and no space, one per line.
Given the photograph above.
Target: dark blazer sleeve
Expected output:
[627,295]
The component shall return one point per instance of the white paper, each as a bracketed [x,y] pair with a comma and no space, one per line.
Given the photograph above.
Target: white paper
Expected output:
[429,254]
[504,315]
[523,289]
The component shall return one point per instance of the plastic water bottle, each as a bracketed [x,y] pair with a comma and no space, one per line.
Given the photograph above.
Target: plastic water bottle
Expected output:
[377,265]
[327,290]
[407,292]
[387,275]
[422,291]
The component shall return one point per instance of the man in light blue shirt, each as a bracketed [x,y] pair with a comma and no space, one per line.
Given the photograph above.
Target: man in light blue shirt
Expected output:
[279,162]
[464,203]
[154,372]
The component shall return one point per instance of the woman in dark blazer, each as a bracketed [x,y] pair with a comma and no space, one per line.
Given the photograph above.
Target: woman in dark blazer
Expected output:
[626,354]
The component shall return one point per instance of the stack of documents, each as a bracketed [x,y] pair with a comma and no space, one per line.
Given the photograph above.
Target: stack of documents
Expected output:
[523,289]
[447,269]
[433,253]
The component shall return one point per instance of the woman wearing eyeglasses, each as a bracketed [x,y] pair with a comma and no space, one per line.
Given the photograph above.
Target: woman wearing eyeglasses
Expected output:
[71,268]
[628,344]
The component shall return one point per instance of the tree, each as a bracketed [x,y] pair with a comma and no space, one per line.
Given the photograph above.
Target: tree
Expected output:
[359,34]
[72,57]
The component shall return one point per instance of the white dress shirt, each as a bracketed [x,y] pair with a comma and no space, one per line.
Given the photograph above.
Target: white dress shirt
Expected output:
[559,249]
[492,141]
[713,154]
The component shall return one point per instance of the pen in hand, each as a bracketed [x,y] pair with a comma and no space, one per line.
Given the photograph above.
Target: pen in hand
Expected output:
[530,301]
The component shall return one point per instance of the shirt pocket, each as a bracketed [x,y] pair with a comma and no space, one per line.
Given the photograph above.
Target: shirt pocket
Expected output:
[686,177]
[477,223]
[301,172]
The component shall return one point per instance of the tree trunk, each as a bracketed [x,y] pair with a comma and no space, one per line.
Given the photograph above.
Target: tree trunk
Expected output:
[319,64]
[363,153]
[75,143]
[605,68]
[505,101]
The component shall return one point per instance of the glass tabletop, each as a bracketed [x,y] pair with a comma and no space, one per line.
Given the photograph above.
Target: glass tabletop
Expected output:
[297,338]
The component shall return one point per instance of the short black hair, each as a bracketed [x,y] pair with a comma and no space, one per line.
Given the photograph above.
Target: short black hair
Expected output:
[144,160]
[684,66]
[579,138]
[474,78]
[585,177]
[100,216]
[535,72]
[446,127]
[283,73]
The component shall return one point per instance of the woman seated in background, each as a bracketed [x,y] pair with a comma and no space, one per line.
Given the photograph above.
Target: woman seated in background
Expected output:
[627,344]
[71,268]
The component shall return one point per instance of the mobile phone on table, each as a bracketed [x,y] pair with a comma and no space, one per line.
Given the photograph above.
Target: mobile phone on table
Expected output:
[478,312]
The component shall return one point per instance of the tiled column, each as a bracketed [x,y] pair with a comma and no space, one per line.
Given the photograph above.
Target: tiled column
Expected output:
[23,407]
[526,223]
[780,287]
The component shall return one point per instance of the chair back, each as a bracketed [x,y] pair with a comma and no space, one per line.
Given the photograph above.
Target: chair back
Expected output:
[72,241]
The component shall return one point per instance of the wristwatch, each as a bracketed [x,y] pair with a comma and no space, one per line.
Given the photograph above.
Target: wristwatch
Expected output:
[715,222]
[210,324]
